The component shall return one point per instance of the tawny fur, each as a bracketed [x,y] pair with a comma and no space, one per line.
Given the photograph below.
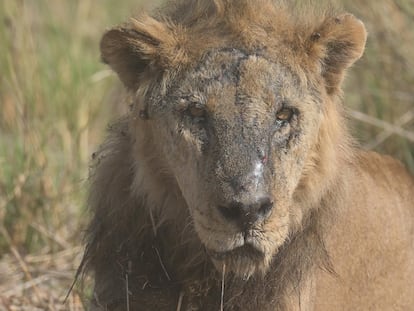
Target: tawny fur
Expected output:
[340,235]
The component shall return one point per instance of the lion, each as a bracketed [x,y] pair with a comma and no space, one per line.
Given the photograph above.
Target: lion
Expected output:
[233,182]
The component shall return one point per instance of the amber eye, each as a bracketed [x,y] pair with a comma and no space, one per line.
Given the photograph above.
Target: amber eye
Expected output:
[284,115]
[196,112]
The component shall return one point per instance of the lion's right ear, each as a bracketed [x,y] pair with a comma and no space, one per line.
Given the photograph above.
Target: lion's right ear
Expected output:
[336,45]
[141,46]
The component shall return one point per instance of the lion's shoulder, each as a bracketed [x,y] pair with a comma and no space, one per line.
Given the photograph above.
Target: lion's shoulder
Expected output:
[387,173]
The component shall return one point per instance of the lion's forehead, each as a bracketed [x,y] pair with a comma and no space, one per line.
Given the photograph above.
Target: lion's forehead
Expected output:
[229,66]
[231,79]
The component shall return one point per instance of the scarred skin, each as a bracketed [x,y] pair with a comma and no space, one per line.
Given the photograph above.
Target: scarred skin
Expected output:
[233,181]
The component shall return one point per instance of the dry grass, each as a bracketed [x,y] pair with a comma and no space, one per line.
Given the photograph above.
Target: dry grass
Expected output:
[39,282]
[55,99]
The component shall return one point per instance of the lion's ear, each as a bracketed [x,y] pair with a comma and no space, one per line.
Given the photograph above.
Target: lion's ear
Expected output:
[337,44]
[140,46]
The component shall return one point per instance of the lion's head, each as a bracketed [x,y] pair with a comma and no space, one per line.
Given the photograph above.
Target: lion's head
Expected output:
[230,107]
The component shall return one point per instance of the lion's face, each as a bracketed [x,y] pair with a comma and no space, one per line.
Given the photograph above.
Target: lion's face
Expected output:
[235,132]
[238,130]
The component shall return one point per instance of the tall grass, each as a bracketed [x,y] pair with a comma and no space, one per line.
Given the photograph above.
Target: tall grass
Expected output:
[52,95]
[55,99]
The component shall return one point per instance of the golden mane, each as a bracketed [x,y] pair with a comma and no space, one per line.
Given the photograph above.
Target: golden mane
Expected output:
[142,235]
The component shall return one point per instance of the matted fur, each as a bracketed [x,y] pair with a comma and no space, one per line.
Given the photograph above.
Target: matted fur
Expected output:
[208,79]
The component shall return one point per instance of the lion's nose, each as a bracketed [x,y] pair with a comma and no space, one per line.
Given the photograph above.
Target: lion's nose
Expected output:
[247,214]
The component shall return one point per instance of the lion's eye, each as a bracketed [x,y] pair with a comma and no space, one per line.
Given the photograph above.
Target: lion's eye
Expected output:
[284,115]
[196,112]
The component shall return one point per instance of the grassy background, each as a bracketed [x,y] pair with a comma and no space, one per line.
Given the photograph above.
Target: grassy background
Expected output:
[55,100]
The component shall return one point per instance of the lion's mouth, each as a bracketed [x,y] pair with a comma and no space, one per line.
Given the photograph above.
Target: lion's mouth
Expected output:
[243,261]
[246,251]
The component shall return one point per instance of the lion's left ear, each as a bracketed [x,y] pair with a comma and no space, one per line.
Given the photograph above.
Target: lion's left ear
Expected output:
[143,45]
[337,44]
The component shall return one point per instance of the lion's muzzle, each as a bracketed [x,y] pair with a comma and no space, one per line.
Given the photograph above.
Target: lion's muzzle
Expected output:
[247,214]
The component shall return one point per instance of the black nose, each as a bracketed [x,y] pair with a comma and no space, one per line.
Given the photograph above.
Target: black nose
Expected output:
[247,215]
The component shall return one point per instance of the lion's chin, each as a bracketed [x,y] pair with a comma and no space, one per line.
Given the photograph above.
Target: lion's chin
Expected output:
[243,261]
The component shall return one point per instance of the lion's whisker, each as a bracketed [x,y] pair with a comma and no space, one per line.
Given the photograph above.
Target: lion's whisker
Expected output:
[222,287]
[162,264]
[154,227]
[180,301]
[127,291]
